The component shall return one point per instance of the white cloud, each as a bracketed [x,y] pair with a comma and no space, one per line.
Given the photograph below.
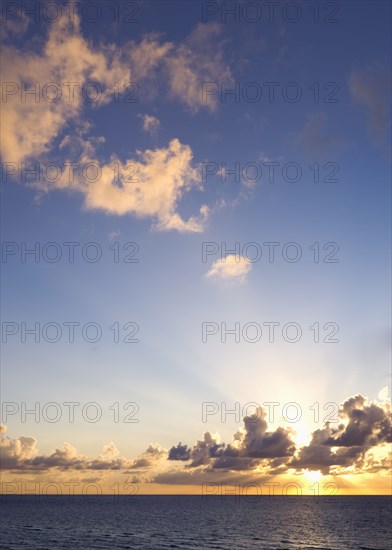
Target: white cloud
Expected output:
[147,56]
[15,451]
[182,68]
[231,267]
[163,176]
[150,124]
[30,130]
[28,127]
[67,63]
[198,61]
[22,454]
[160,177]
[383,394]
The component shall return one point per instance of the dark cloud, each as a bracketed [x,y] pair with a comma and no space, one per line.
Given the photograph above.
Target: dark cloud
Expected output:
[245,452]
[235,463]
[258,443]
[368,425]
[362,427]
[320,457]
[149,458]
[204,450]
[181,452]
[22,454]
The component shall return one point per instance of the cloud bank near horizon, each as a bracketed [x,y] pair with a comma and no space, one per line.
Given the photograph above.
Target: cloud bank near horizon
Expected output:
[358,444]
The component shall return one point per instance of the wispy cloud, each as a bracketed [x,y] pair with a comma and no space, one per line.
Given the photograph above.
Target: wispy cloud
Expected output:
[315,138]
[370,88]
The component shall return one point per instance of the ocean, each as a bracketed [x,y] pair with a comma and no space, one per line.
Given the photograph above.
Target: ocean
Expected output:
[229,523]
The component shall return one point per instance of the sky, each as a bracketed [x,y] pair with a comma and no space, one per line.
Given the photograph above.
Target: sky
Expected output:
[196,247]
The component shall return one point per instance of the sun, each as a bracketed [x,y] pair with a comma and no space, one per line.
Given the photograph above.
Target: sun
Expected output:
[302,434]
[314,475]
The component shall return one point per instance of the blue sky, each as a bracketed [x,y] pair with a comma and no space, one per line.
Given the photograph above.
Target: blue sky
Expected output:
[171,135]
